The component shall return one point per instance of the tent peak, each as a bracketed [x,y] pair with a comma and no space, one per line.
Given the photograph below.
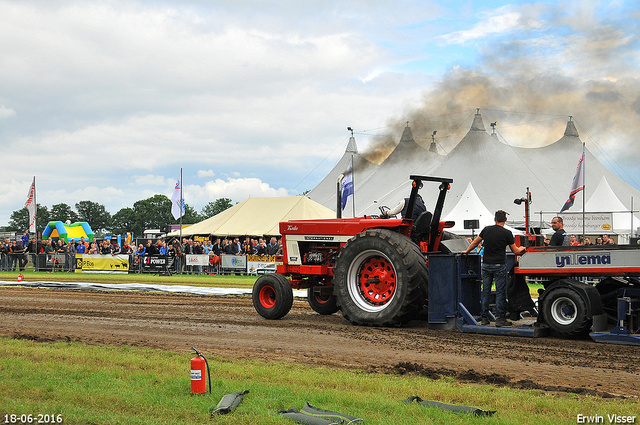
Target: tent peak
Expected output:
[571,129]
[478,124]
[351,146]
[407,135]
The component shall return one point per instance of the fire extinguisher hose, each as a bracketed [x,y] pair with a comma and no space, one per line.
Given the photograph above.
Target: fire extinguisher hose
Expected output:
[198,353]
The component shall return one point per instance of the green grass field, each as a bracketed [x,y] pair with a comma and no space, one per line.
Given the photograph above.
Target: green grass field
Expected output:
[126,385]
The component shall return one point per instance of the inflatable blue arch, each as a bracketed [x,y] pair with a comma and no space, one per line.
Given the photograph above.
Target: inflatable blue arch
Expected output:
[66,232]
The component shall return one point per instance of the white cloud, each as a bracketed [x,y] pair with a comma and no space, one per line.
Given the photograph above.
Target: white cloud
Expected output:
[236,189]
[206,173]
[504,20]
[6,112]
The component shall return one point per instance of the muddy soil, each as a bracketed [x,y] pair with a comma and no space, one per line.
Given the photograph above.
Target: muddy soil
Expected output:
[229,327]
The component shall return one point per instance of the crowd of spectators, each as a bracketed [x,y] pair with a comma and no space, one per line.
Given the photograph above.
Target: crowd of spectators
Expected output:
[60,255]
[578,240]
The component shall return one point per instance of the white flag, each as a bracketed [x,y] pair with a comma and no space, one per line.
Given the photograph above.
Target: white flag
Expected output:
[578,183]
[31,206]
[177,202]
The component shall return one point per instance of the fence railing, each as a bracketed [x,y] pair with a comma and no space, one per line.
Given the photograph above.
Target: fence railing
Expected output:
[131,263]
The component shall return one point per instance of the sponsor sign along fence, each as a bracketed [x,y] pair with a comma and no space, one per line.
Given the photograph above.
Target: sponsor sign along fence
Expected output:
[593,223]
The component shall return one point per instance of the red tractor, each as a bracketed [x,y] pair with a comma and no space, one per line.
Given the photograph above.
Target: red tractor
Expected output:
[374,270]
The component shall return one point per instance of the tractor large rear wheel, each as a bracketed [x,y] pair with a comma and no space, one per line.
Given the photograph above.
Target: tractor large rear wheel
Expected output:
[380,278]
[272,296]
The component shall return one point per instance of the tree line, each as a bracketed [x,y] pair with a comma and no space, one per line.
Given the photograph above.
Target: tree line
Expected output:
[150,213]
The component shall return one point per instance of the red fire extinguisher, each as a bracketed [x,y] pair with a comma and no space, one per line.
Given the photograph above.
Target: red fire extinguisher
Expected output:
[20,277]
[198,378]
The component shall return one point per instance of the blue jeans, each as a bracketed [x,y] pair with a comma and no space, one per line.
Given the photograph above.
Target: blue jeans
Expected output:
[497,273]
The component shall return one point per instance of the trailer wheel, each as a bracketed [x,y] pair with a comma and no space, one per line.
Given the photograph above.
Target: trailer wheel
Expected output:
[324,304]
[272,296]
[379,278]
[565,311]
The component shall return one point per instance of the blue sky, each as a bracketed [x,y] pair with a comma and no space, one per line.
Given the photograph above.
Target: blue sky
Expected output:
[107,100]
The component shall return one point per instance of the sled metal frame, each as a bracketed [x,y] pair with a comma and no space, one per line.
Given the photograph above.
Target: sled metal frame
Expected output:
[455,284]
[628,303]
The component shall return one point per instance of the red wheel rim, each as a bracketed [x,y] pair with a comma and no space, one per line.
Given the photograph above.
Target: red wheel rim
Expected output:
[377,280]
[267,297]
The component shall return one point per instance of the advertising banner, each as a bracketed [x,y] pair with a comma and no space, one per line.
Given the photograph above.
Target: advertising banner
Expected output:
[96,263]
[197,259]
[236,262]
[154,263]
[261,264]
[594,223]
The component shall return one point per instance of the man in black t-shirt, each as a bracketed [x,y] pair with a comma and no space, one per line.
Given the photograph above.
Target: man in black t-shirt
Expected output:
[496,238]
[558,238]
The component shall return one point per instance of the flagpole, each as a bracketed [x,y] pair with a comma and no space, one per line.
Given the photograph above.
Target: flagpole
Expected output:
[584,187]
[181,201]
[35,216]
[353,182]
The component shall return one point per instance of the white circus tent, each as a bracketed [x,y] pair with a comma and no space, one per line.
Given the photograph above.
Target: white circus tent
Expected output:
[470,207]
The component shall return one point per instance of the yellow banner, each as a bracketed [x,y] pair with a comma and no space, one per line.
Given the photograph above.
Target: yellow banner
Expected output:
[261,258]
[102,263]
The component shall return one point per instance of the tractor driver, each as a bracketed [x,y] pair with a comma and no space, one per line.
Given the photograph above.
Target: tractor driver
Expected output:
[401,208]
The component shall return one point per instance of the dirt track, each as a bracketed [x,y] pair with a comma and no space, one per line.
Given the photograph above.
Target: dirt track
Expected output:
[229,327]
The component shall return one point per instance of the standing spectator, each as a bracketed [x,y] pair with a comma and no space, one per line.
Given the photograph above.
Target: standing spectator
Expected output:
[3,256]
[93,248]
[606,240]
[587,241]
[179,256]
[496,238]
[247,248]
[115,249]
[598,240]
[82,247]
[217,247]
[105,248]
[151,248]
[573,241]
[198,250]
[187,250]
[25,239]
[71,255]
[17,254]
[262,248]
[272,248]
[61,255]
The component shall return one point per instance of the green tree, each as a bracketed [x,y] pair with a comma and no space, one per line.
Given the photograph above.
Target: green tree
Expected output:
[19,219]
[190,216]
[125,220]
[153,213]
[63,211]
[95,214]
[215,207]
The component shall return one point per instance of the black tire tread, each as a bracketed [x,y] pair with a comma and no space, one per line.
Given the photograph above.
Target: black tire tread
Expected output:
[284,296]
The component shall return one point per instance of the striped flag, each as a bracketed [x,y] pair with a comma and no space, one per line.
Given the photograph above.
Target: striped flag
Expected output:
[578,183]
[31,206]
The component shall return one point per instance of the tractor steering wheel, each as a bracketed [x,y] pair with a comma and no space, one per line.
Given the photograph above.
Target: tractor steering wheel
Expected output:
[383,211]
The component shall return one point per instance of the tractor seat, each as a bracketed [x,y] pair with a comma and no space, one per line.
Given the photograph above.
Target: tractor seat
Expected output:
[421,226]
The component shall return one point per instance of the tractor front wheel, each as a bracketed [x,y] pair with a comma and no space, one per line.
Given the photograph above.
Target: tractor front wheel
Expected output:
[272,296]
